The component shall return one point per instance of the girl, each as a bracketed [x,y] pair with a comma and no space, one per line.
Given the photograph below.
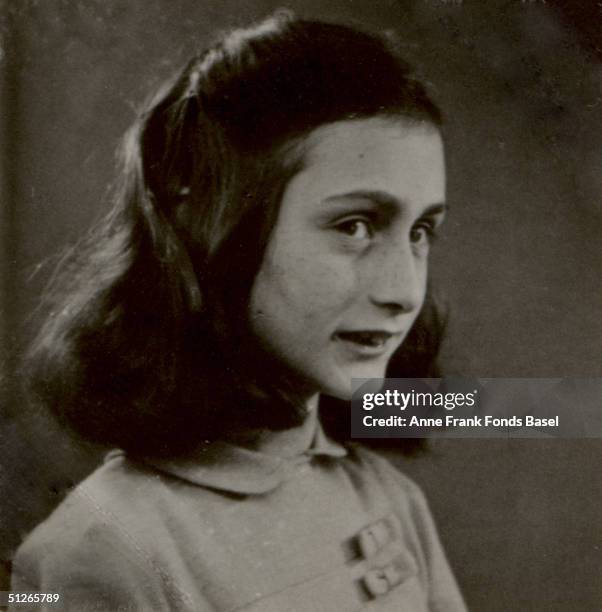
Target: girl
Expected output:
[269,244]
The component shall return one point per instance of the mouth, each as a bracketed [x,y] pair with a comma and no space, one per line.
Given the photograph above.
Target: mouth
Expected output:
[366,342]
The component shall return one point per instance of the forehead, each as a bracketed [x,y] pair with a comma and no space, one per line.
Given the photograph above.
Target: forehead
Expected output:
[399,156]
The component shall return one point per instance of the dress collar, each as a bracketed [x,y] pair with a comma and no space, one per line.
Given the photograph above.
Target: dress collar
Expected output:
[252,471]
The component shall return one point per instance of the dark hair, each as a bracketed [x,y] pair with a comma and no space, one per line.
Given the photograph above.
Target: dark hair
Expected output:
[147,345]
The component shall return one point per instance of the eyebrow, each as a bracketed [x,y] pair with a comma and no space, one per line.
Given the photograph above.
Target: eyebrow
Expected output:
[384,199]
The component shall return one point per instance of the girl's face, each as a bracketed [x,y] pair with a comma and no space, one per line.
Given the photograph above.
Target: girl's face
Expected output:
[344,273]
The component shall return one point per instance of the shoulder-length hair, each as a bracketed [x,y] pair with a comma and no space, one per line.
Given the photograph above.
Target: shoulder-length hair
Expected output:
[147,346]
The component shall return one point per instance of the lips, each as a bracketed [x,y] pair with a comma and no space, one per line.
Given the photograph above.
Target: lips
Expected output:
[367,344]
[366,338]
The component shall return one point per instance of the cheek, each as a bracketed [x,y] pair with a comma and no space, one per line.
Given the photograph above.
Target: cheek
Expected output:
[304,285]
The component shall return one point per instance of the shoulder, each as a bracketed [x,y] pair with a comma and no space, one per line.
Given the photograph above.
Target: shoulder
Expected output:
[388,476]
[101,503]
[416,522]
[121,499]
[98,540]
[375,477]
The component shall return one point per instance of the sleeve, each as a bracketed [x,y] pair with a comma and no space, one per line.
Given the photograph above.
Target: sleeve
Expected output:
[440,584]
[88,563]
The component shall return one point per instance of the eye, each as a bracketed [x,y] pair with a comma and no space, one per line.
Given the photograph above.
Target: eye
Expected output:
[423,233]
[359,229]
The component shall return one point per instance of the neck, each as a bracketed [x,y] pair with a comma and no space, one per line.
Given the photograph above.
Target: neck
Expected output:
[285,443]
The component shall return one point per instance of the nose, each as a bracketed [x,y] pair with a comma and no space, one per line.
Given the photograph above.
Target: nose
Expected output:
[398,280]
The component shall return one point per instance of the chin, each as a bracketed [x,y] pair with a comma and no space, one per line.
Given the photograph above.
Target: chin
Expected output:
[341,385]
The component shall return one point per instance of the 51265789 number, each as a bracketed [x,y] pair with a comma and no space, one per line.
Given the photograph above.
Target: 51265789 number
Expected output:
[16,598]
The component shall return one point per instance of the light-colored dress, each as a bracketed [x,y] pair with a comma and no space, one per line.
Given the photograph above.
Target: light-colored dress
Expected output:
[293,522]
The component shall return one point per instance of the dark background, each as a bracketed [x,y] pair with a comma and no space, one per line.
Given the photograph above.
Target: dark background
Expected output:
[520,261]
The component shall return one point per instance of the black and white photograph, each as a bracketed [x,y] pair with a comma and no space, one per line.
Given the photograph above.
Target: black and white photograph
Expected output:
[222,221]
